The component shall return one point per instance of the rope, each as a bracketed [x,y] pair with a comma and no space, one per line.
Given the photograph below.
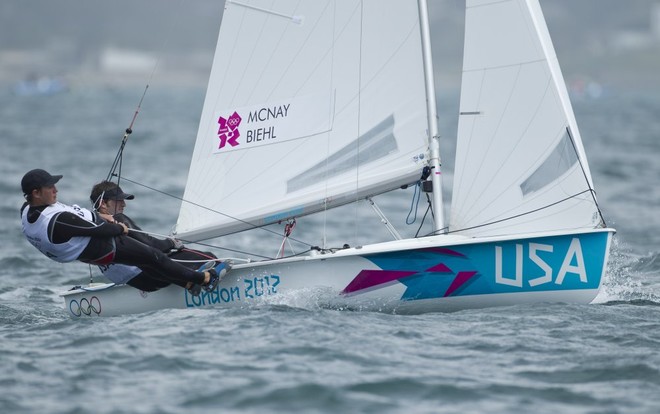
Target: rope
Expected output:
[584,173]
[254,226]
[288,229]
[199,243]
[414,203]
[206,257]
[429,208]
[513,217]
[116,171]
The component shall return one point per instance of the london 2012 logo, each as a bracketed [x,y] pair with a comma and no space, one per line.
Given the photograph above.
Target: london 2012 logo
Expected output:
[228,132]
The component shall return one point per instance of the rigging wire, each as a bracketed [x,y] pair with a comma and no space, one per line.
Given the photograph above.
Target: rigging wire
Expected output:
[201,244]
[584,173]
[515,216]
[589,190]
[116,171]
[254,226]
[288,229]
[116,164]
[116,167]
[428,208]
[414,203]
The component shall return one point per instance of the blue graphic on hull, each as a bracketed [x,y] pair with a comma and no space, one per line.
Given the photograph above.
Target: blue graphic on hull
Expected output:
[556,263]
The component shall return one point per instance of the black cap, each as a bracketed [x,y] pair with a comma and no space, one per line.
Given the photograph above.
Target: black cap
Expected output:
[117,194]
[35,179]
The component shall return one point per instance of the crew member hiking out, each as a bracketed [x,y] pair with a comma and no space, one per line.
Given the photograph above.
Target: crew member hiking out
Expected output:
[66,233]
[109,199]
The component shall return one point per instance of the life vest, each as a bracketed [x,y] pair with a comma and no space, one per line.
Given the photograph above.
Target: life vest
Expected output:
[37,233]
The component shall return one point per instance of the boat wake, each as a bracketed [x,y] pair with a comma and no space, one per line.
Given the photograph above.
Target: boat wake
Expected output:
[623,282]
[321,298]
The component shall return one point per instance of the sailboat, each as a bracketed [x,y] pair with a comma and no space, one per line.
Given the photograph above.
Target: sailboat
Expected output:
[312,105]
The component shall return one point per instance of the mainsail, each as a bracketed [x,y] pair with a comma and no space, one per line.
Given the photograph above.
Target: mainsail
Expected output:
[310,105]
[520,164]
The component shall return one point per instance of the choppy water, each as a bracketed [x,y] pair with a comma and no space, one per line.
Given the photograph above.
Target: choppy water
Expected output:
[297,354]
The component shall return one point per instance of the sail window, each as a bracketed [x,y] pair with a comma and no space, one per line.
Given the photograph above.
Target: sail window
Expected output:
[376,143]
[560,160]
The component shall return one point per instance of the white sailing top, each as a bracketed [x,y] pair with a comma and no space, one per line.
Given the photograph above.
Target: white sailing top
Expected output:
[37,233]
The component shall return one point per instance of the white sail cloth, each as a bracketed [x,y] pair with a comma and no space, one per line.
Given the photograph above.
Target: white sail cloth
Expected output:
[310,105]
[520,164]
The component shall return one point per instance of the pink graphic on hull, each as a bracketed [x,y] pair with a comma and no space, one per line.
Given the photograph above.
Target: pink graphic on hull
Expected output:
[459,281]
[228,132]
[445,251]
[370,278]
[424,278]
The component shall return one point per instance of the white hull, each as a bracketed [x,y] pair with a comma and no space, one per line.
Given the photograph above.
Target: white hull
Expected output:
[435,274]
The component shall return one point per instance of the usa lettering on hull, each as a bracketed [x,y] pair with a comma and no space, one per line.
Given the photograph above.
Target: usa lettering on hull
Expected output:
[536,264]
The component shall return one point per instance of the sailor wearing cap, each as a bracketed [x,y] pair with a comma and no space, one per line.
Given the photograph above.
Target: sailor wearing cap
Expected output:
[67,233]
[40,192]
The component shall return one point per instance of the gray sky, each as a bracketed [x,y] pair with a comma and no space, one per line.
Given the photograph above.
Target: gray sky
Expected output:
[613,41]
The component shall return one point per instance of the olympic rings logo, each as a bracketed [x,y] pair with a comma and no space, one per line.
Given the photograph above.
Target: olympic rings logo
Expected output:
[85,307]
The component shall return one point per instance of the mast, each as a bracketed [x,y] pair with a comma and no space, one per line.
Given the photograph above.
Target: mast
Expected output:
[432,115]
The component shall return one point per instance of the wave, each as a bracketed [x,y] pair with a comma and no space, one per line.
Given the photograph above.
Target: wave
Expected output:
[627,278]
